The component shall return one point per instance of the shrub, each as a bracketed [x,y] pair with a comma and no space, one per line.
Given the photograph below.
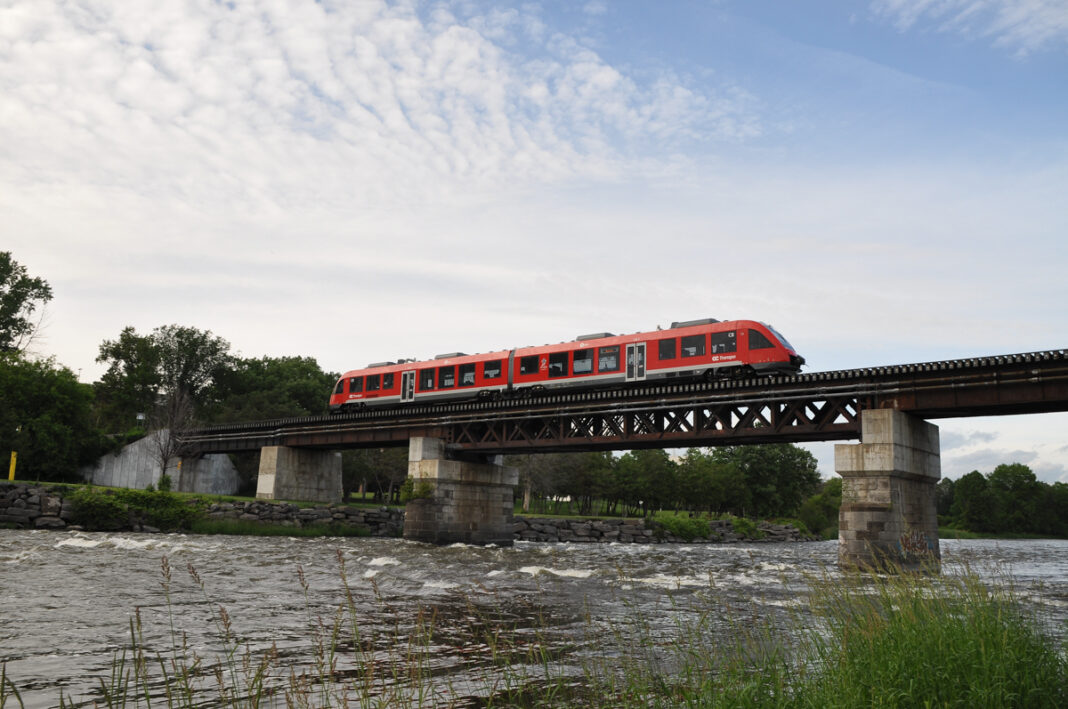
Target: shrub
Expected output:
[687,528]
[98,511]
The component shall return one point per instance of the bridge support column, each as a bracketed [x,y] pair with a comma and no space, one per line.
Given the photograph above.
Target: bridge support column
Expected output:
[466,500]
[303,474]
[889,509]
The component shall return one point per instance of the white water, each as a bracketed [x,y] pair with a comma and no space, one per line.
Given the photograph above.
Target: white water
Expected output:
[66,598]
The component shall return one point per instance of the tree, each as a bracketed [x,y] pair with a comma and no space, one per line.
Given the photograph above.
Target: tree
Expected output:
[1015,493]
[46,417]
[170,373]
[20,296]
[131,384]
[779,476]
[973,506]
[269,387]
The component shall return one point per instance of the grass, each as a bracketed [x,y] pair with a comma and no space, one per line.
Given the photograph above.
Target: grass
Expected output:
[859,640]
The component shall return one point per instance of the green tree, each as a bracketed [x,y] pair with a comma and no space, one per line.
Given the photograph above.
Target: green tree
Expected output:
[269,387]
[779,476]
[587,479]
[1015,494]
[973,505]
[20,297]
[820,512]
[131,384]
[46,417]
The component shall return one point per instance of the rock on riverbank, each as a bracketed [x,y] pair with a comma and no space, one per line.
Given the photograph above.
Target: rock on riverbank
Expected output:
[48,507]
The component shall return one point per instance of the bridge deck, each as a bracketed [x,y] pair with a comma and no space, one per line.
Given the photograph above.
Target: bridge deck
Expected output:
[806,407]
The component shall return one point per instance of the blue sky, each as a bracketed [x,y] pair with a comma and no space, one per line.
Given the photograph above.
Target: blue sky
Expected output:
[356,181]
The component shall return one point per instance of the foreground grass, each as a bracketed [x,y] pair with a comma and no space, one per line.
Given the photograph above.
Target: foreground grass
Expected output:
[862,640]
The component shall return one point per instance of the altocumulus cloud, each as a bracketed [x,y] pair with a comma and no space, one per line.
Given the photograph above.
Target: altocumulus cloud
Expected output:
[266,105]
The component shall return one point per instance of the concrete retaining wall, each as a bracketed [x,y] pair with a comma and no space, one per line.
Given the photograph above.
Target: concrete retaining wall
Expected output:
[136,466]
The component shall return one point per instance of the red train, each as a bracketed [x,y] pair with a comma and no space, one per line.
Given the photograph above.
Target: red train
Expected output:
[693,349]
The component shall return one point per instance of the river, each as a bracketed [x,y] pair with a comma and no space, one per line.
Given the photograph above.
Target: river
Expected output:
[68,598]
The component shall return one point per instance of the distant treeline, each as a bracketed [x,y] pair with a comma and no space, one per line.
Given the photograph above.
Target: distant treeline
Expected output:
[1009,500]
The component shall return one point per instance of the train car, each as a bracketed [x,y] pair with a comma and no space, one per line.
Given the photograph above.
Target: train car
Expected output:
[693,349]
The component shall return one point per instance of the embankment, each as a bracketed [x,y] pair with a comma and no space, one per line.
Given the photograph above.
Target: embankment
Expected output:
[46,506]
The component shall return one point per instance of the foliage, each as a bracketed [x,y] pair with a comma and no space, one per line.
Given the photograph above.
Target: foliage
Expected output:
[164,375]
[1008,500]
[378,470]
[97,511]
[412,489]
[46,417]
[747,528]
[778,476]
[819,513]
[683,527]
[269,388]
[20,296]
[111,509]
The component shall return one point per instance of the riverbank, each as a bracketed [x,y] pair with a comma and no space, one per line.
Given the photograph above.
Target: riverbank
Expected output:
[44,506]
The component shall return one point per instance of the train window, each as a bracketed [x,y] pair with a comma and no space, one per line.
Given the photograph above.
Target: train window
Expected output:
[693,346]
[757,341]
[608,359]
[426,380]
[724,342]
[528,365]
[446,377]
[355,385]
[558,364]
[374,382]
[583,362]
[492,370]
[667,348]
[387,381]
[467,375]
[340,388]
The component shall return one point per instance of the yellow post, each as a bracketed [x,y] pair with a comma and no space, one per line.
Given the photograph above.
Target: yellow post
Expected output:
[11,470]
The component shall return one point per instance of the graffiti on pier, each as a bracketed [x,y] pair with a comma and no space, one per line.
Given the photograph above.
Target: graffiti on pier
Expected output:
[915,544]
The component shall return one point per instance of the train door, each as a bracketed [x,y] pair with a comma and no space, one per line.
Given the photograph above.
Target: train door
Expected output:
[636,362]
[407,386]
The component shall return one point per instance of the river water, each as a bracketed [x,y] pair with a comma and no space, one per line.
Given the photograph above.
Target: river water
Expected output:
[67,600]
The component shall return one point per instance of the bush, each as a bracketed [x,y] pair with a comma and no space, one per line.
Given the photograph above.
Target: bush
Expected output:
[108,510]
[98,511]
[746,528]
[687,528]
[412,490]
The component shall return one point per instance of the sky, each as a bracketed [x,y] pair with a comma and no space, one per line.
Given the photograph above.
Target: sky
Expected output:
[355,181]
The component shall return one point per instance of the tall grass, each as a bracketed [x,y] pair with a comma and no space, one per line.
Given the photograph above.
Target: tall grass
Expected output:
[856,640]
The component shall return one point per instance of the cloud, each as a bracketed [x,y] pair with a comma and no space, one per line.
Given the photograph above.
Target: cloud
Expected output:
[1024,26]
[275,106]
[951,440]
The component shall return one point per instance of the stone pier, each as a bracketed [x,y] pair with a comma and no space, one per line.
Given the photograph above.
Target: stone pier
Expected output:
[303,474]
[889,504]
[468,501]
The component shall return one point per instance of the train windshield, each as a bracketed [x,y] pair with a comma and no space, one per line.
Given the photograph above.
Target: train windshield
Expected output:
[783,340]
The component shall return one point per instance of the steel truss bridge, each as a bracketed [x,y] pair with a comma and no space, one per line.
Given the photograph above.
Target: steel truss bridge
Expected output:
[820,406]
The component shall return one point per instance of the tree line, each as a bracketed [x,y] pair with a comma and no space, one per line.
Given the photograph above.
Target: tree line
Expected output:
[1008,500]
[175,377]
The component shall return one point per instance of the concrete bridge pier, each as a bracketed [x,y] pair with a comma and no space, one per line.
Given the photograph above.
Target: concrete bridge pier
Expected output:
[469,501]
[303,474]
[889,511]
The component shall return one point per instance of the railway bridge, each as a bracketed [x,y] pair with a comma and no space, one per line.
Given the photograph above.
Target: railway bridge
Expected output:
[888,504]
